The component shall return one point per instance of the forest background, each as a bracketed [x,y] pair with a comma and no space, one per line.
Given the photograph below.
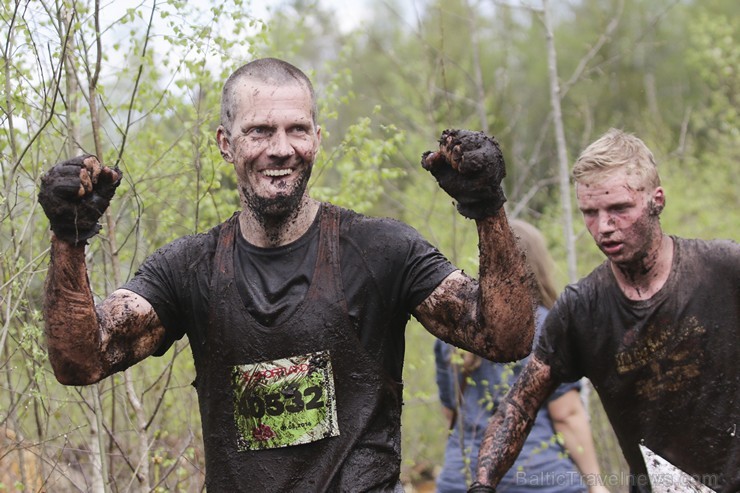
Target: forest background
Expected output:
[138,84]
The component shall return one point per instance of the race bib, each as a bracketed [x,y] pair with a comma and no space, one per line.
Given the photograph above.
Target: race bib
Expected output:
[284,402]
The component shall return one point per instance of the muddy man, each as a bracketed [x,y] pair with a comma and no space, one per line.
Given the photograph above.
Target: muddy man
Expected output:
[655,328]
[294,309]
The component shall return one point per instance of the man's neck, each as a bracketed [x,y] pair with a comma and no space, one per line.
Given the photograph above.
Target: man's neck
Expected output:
[277,231]
[642,280]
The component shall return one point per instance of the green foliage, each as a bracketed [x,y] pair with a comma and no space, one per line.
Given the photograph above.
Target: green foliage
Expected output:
[700,175]
[356,165]
[387,88]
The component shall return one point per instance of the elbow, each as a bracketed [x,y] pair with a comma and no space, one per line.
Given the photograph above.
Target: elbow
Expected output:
[509,354]
[75,380]
[524,347]
[506,349]
[562,421]
[517,345]
[71,374]
[567,410]
[522,353]
[503,352]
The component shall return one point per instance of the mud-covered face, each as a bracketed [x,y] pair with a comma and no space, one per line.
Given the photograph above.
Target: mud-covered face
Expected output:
[622,219]
[272,144]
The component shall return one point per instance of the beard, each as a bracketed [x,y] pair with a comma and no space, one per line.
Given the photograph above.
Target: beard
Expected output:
[273,211]
[642,260]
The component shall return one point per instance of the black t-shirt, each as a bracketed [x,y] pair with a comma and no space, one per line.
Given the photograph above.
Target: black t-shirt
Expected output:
[666,369]
[273,281]
[387,270]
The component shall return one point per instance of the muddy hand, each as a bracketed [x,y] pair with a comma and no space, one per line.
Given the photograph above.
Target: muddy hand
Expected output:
[74,195]
[469,166]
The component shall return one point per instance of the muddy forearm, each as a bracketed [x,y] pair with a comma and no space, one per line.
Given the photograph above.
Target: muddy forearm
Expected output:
[88,342]
[493,316]
[72,328]
[512,422]
[506,306]
[505,435]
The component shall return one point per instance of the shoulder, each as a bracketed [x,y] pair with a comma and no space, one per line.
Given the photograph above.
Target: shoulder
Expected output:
[190,247]
[380,228]
[393,256]
[718,250]
[713,261]
[187,252]
[701,243]
[382,237]
[588,289]
[573,314]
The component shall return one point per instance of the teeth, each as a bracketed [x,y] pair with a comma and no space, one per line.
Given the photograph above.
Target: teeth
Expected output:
[278,172]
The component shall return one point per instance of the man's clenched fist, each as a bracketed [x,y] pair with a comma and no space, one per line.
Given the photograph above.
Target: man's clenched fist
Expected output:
[74,195]
[469,166]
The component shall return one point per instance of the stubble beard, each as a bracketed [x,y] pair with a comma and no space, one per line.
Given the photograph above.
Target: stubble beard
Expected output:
[274,212]
[643,260]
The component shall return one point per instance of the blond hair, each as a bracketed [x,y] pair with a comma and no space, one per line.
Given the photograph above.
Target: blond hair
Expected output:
[539,259]
[617,150]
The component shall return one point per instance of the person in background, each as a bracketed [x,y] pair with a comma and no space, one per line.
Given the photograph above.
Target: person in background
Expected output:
[655,328]
[559,455]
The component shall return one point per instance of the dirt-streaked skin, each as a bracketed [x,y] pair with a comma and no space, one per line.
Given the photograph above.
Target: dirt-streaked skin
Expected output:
[74,194]
[623,220]
[493,316]
[87,343]
[272,145]
[510,425]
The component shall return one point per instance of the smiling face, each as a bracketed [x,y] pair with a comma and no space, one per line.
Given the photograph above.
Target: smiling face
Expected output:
[272,144]
[622,218]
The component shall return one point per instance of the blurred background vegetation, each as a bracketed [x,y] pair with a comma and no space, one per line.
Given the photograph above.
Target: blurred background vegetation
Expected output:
[138,84]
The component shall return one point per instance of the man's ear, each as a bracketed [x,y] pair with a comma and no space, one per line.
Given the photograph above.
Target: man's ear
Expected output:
[318,133]
[224,144]
[657,201]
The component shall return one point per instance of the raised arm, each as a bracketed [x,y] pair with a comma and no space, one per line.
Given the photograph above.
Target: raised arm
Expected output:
[86,343]
[511,423]
[494,315]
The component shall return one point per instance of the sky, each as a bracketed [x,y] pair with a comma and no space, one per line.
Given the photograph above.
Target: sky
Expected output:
[349,12]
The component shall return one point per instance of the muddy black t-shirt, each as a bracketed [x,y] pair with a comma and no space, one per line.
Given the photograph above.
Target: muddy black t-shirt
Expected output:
[667,369]
[387,270]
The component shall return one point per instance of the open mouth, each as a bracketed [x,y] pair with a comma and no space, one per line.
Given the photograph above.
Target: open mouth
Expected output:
[273,173]
[610,247]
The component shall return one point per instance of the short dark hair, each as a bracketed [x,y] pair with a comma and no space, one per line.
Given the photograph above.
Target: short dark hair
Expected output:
[266,70]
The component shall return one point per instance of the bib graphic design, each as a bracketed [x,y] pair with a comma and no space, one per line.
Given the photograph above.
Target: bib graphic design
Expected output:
[288,401]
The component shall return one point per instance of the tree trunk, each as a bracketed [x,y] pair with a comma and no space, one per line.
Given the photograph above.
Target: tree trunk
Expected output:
[563,165]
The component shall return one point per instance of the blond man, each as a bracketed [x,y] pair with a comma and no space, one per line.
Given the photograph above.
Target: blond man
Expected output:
[655,329]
